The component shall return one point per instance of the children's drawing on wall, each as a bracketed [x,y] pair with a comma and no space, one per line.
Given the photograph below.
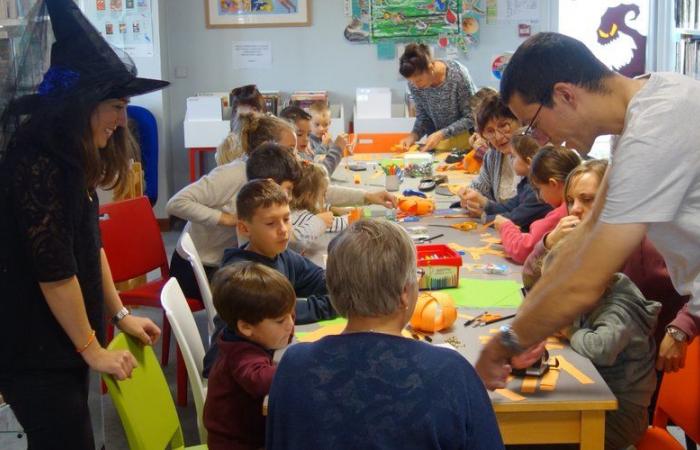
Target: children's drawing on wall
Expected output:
[473,12]
[414,19]
[358,28]
[615,31]
[257,6]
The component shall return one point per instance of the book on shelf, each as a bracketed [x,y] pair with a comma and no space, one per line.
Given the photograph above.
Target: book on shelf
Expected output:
[304,99]
[687,14]
[688,56]
[272,101]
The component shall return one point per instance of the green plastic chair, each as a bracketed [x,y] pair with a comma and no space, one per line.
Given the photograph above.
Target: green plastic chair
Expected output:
[144,402]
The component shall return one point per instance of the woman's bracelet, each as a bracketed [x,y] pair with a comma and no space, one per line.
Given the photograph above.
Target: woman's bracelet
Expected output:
[87,344]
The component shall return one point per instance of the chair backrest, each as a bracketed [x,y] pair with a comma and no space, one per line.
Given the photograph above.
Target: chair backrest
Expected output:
[144,402]
[188,338]
[187,245]
[131,239]
[147,134]
[679,396]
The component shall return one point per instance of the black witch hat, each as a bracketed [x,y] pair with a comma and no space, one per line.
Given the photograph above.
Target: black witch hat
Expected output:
[82,57]
[62,61]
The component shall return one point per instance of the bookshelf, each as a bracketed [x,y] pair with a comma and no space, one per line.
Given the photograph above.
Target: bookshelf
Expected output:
[687,21]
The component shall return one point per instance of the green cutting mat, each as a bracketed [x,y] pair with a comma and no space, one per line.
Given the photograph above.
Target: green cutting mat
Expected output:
[473,293]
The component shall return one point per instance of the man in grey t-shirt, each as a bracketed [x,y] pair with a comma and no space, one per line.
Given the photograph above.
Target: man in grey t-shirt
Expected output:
[554,84]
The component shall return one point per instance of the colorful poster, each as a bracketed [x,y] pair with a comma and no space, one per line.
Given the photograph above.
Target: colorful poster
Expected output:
[358,29]
[414,19]
[125,24]
[499,63]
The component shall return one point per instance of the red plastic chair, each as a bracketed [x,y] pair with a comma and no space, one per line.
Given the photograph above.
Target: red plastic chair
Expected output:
[678,402]
[134,246]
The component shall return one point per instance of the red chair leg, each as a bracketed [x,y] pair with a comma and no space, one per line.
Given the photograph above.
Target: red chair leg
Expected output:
[181,379]
[165,356]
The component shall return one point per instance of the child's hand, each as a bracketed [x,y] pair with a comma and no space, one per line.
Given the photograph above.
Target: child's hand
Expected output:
[326,139]
[498,222]
[383,198]
[341,141]
[408,141]
[528,357]
[565,226]
[327,217]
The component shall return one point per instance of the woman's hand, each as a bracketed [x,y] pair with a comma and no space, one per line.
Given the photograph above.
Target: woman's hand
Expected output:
[118,363]
[565,226]
[383,198]
[473,201]
[408,141]
[433,140]
[142,328]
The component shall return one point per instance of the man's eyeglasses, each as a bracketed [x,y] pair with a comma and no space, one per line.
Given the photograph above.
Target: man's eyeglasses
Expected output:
[531,128]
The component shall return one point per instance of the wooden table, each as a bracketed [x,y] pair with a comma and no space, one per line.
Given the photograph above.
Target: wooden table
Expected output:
[573,412]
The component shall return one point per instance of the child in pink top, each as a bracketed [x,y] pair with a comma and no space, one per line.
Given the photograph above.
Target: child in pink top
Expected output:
[548,173]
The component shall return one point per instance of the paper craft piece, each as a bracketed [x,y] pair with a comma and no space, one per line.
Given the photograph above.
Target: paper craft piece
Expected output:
[510,395]
[433,312]
[456,247]
[566,366]
[486,226]
[491,240]
[416,206]
[464,316]
[327,330]
[475,293]
[529,385]
[477,252]
[549,380]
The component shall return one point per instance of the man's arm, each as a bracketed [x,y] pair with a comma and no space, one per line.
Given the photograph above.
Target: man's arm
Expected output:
[572,284]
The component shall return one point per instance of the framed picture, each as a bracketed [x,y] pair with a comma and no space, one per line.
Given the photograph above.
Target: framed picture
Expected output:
[257,13]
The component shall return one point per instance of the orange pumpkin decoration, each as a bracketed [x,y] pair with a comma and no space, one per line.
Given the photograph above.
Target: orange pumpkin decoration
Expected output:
[470,163]
[416,206]
[434,311]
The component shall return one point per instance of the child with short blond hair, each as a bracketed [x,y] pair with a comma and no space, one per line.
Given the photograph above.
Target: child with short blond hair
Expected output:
[310,216]
[257,305]
[321,141]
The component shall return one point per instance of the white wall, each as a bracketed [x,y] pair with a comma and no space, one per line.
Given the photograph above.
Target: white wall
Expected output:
[315,57]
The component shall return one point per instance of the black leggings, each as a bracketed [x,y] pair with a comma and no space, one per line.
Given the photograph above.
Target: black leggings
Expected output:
[181,269]
[51,406]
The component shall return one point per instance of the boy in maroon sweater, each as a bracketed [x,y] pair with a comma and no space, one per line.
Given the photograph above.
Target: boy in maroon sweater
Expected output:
[257,304]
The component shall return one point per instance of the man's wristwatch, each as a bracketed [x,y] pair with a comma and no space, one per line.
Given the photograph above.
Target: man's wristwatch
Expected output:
[676,334]
[120,315]
[510,340]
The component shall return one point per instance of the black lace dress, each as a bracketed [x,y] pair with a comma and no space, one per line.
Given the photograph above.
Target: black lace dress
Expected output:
[49,232]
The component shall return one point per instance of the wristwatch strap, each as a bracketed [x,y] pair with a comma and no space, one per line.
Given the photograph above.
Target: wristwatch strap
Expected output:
[120,315]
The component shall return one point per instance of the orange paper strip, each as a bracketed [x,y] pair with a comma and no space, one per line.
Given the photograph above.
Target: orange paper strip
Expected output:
[565,365]
[510,395]
[549,380]
[529,385]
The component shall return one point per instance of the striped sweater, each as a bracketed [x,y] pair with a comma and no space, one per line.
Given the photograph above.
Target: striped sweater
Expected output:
[307,228]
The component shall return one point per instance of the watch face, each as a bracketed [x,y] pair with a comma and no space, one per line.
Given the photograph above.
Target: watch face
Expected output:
[676,334]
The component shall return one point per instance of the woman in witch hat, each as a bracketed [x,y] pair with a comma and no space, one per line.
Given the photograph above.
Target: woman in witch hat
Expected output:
[62,135]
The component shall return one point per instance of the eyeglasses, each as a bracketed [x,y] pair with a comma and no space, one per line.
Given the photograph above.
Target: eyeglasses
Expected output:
[420,273]
[503,129]
[531,128]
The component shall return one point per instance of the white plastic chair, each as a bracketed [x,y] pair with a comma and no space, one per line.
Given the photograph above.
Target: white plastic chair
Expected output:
[190,342]
[186,245]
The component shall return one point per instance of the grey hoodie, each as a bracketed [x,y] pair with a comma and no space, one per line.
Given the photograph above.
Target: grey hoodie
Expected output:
[618,337]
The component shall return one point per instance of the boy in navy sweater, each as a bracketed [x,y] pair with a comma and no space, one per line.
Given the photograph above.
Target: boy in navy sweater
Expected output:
[263,217]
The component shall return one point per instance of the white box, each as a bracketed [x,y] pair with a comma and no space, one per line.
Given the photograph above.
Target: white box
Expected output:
[203,107]
[373,103]
[205,133]
[337,119]
[396,123]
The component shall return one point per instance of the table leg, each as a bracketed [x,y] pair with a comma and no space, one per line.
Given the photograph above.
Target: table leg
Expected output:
[192,162]
[592,430]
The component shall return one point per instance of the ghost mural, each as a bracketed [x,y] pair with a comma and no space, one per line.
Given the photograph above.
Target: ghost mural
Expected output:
[627,44]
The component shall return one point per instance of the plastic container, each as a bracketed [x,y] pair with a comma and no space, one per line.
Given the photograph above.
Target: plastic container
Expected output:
[441,265]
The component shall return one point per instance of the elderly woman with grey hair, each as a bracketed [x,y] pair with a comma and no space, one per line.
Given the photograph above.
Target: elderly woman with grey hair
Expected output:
[370,386]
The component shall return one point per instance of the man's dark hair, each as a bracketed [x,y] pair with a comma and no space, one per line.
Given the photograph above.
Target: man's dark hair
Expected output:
[549,58]
[270,160]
